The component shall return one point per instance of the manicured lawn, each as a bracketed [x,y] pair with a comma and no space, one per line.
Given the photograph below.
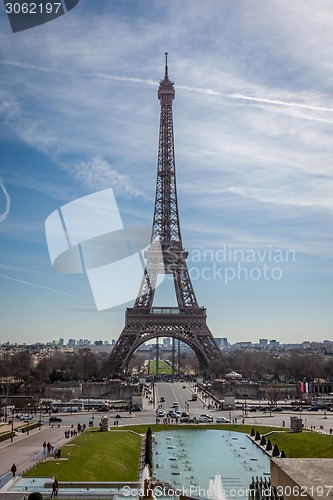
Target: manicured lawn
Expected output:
[95,456]
[303,444]
[163,367]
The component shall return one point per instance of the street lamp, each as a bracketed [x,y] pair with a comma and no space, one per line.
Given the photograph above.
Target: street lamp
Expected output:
[7,390]
[40,417]
[325,416]
[12,433]
[246,396]
[28,419]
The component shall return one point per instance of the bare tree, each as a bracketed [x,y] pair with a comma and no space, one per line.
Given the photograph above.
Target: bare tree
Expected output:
[273,393]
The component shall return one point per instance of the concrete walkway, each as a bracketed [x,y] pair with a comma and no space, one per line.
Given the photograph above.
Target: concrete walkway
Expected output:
[27,450]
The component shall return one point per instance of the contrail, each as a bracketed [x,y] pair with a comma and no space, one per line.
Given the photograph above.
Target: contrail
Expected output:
[279,103]
[206,91]
[212,92]
[4,215]
[42,287]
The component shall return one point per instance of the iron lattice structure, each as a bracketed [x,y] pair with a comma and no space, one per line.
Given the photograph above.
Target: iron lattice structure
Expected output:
[166,255]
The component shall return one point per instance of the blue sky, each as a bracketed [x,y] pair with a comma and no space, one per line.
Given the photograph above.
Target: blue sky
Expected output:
[253,118]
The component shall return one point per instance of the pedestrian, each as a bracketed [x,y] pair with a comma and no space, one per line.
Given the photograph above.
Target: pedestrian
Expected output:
[13,469]
[49,447]
[44,446]
[55,488]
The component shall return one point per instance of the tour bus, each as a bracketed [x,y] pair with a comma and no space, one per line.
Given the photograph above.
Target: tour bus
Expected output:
[70,407]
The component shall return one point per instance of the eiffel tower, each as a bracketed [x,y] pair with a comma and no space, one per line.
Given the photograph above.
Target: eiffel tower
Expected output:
[166,255]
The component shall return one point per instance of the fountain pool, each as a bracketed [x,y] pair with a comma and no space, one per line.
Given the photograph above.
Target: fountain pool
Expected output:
[208,463]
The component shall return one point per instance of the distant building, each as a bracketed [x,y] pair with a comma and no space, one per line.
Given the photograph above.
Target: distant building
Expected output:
[263,342]
[274,343]
[83,342]
[243,345]
[222,342]
[58,342]
[71,342]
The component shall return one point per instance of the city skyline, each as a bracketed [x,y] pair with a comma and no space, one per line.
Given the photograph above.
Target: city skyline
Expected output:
[253,119]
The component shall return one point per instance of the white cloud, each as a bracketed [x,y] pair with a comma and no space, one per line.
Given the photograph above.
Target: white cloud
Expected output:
[98,174]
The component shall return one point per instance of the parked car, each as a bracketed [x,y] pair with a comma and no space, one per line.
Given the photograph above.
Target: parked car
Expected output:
[26,418]
[162,399]
[160,412]
[276,408]
[252,408]
[187,420]
[222,420]
[205,419]
[55,419]
[314,408]
[173,414]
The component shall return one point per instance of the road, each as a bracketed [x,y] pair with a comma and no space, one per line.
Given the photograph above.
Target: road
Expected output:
[182,392]
[27,450]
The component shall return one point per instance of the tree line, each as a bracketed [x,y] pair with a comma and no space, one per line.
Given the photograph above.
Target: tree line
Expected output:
[87,365]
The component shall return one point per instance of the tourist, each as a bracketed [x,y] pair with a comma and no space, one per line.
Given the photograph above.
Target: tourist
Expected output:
[55,488]
[13,470]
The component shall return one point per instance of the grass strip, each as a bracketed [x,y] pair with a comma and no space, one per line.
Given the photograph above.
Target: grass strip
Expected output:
[304,444]
[96,456]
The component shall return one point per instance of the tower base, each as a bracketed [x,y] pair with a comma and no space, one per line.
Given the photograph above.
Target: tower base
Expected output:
[188,325]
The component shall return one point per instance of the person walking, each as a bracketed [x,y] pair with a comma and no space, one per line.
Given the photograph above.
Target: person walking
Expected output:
[55,488]
[13,470]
